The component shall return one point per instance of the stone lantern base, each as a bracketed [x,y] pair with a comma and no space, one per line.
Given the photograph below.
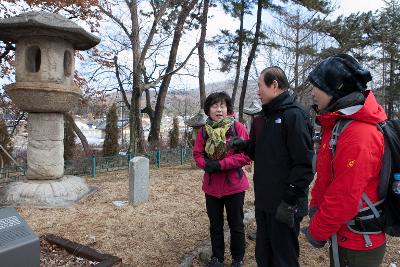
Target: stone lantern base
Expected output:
[61,192]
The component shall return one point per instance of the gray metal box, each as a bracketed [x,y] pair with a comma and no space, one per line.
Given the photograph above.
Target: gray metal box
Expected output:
[19,246]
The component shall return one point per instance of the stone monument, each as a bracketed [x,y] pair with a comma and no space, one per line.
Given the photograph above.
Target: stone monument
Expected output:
[44,87]
[139,182]
[196,122]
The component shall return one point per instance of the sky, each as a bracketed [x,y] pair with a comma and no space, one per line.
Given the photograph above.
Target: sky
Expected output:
[219,20]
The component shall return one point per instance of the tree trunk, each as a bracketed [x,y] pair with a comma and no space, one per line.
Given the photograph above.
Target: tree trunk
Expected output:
[202,60]
[391,86]
[154,135]
[250,59]
[240,54]
[296,63]
[135,122]
[81,136]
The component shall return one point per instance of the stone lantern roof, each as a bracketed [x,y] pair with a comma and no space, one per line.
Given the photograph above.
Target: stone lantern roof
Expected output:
[39,23]
[197,120]
[253,109]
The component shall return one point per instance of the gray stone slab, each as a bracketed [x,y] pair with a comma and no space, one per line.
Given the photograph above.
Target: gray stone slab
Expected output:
[139,184]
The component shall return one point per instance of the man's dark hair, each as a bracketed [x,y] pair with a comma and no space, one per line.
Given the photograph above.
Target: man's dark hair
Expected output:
[275,73]
[217,98]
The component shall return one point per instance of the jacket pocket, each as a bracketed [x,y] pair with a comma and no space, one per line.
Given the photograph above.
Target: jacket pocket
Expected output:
[234,176]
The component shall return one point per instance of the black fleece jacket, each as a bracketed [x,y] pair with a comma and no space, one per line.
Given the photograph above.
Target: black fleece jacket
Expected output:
[282,149]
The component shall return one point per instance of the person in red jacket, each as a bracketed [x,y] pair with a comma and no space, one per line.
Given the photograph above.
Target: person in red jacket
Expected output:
[224,181]
[339,92]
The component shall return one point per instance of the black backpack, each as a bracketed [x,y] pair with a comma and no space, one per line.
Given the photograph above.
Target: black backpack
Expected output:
[386,212]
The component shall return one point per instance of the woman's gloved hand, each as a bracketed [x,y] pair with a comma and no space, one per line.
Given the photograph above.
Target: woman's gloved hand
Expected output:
[212,166]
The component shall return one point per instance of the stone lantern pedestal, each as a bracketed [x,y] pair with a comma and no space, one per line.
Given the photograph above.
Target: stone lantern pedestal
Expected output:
[44,87]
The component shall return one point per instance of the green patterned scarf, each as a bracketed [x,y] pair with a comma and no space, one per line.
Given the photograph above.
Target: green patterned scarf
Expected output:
[216,131]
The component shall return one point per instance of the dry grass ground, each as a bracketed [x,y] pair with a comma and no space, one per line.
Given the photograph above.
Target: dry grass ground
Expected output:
[159,233]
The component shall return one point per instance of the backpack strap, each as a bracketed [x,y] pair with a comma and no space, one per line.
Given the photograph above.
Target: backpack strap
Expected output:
[204,133]
[233,130]
[337,130]
[335,251]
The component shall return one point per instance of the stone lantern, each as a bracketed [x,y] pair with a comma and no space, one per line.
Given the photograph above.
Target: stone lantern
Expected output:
[44,87]
[196,122]
[252,111]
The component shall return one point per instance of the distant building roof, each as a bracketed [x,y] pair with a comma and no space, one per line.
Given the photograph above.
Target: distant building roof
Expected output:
[103,123]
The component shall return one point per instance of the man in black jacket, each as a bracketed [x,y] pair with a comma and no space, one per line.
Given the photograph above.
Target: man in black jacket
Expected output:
[281,146]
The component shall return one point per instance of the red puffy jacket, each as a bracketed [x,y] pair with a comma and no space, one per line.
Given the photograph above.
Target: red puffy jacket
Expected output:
[356,168]
[231,179]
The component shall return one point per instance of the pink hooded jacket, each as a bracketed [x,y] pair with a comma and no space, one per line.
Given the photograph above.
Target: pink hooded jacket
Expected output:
[231,179]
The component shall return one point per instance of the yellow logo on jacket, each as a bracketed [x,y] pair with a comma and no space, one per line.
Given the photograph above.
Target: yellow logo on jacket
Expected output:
[351,163]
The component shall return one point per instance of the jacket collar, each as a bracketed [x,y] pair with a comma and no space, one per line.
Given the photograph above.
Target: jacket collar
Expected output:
[370,112]
[279,103]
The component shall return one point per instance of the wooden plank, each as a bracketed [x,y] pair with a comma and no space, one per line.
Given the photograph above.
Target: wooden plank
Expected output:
[104,260]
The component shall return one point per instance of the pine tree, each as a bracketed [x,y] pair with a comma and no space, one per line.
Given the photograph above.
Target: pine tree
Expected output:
[110,145]
[174,134]
[5,142]
[69,141]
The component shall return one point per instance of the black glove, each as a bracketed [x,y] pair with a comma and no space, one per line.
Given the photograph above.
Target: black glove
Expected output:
[212,166]
[311,212]
[311,240]
[237,144]
[285,214]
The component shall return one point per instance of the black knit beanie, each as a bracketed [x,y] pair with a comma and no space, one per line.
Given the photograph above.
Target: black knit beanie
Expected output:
[340,75]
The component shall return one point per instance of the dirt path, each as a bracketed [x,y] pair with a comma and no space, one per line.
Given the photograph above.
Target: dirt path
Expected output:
[159,233]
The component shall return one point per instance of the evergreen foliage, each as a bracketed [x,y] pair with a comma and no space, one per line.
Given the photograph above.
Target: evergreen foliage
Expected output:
[5,142]
[110,145]
[174,134]
[69,141]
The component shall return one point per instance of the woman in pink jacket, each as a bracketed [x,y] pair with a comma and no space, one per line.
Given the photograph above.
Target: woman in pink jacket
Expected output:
[224,181]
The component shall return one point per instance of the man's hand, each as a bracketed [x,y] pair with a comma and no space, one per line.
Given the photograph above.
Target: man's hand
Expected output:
[212,166]
[311,240]
[285,214]
[237,144]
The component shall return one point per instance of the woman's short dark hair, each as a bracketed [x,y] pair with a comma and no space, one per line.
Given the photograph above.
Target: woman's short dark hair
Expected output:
[275,73]
[217,98]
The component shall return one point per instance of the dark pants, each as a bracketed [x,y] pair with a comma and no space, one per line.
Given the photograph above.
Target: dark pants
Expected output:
[359,258]
[277,244]
[234,213]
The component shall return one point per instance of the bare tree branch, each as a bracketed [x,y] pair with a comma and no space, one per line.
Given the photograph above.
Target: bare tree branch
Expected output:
[17,122]
[8,48]
[115,19]
[154,83]
[157,18]
[81,136]
[121,87]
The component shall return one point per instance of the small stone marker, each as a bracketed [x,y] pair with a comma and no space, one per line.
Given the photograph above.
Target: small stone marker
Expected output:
[139,185]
